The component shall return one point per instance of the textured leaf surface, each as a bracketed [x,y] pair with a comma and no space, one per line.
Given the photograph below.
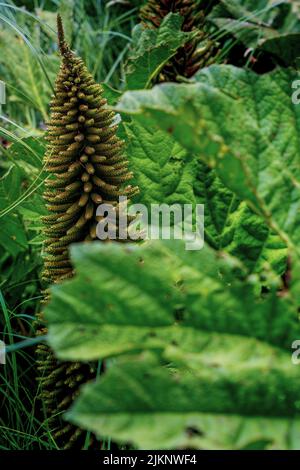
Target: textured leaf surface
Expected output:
[232,226]
[229,347]
[244,125]
[214,408]
[167,173]
[169,292]
[163,170]
[152,49]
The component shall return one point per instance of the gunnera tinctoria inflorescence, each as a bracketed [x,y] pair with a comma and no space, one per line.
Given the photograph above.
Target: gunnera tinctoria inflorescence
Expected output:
[86,167]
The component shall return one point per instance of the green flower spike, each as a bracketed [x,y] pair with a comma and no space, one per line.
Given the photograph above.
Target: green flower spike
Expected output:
[86,167]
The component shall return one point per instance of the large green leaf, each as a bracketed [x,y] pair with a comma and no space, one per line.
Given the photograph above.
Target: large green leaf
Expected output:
[163,170]
[228,345]
[152,49]
[251,405]
[155,294]
[232,226]
[244,125]
[167,173]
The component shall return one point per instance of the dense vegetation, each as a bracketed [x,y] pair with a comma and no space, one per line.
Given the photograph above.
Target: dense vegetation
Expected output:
[175,348]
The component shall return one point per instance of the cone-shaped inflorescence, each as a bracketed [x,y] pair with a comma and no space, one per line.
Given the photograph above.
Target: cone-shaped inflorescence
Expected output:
[197,53]
[86,167]
[84,156]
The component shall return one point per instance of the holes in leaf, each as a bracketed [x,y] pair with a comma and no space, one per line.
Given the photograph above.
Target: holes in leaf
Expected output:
[152,334]
[193,431]
[180,314]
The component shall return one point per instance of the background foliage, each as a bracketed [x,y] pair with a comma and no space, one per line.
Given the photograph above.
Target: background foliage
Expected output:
[194,348]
